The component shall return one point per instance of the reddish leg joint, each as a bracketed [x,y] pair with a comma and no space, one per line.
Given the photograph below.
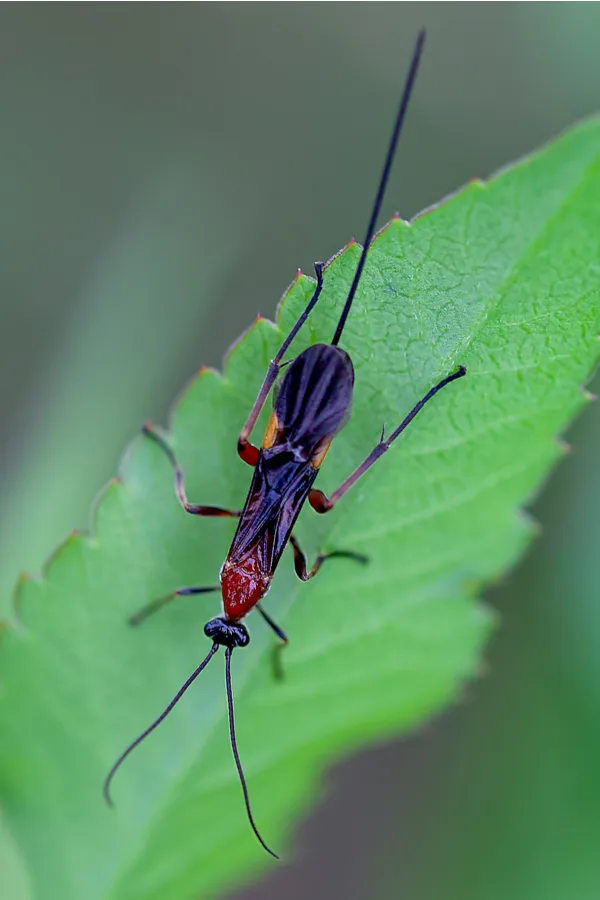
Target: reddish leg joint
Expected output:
[248,452]
[319,502]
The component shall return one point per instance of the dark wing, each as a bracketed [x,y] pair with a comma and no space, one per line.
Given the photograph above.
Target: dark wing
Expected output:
[278,490]
[315,397]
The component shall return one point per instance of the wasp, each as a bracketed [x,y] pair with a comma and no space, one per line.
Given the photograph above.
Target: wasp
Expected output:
[311,406]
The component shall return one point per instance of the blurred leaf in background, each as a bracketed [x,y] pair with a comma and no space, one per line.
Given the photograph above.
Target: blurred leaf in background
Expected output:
[434,527]
[436,523]
[521,759]
[113,120]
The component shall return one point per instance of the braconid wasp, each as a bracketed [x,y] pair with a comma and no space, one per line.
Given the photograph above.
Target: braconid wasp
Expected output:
[311,406]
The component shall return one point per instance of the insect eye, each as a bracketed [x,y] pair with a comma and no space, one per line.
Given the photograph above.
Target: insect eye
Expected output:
[240,633]
[216,629]
[227,634]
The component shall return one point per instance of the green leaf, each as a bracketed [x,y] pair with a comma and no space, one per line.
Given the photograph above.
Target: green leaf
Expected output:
[501,277]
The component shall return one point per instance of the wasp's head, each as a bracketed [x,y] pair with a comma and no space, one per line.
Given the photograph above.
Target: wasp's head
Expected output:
[226,633]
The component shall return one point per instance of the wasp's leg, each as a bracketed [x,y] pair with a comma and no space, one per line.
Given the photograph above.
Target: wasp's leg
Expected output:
[142,614]
[247,451]
[300,559]
[278,672]
[322,504]
[193,508]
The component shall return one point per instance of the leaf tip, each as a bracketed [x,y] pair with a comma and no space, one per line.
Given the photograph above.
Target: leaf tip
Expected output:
[259,322]
[23,579]
[205,370]
[564,447]
[397,219]
[529,521]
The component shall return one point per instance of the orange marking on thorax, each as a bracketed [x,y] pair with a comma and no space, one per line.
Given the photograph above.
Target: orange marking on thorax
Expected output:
[242,585]
[318,458]
[271,432]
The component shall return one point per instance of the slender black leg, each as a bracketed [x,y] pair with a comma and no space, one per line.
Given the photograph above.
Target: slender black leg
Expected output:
[322,504]
[273,624]
[301,572]
[247,451]
[300,559]
[193,508]
[142,614]
[278,671]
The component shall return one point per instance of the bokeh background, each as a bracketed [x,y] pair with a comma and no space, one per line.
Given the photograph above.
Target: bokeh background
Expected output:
[165,168]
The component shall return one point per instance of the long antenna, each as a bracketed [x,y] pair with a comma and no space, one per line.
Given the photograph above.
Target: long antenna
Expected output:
[408,86]
[236,755]
[156,722]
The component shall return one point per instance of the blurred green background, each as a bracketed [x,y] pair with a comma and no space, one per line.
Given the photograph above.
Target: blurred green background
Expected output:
[165,168]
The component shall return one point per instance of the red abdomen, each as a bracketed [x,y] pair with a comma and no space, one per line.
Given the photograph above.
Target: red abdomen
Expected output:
[242,585]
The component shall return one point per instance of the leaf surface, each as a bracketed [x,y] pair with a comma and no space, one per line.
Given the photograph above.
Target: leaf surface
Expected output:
[501,277]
